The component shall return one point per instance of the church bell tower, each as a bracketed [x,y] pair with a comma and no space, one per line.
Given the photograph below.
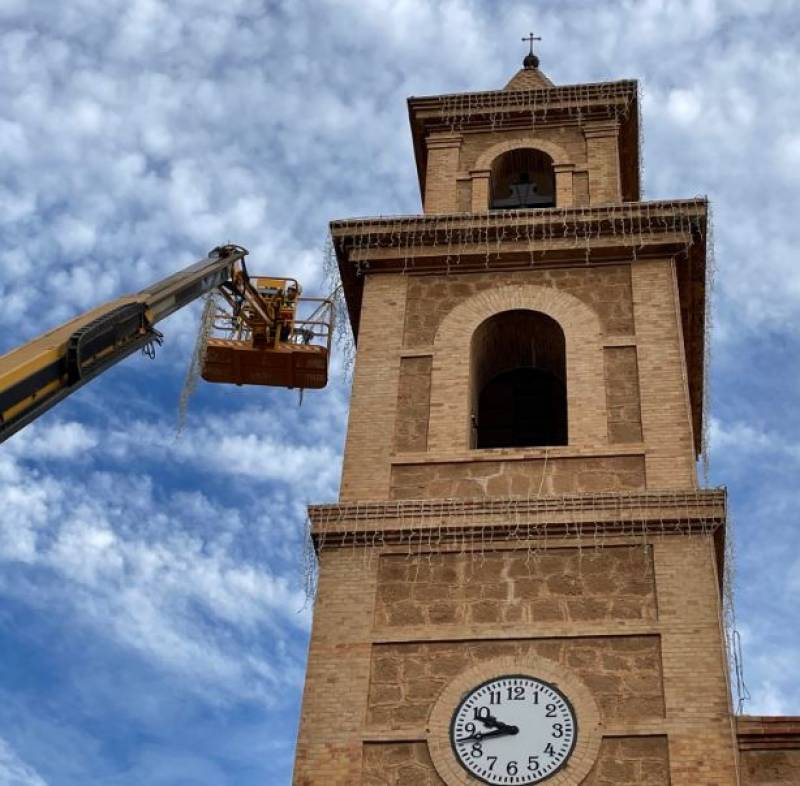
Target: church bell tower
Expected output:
[521,582]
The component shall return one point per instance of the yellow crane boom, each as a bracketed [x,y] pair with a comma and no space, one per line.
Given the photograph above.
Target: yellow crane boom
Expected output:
[45,370]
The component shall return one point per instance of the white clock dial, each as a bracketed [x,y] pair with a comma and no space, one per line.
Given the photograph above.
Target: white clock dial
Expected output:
[513,729]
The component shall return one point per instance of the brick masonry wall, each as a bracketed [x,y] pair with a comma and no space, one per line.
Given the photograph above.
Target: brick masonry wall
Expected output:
[622,395]
[624,674]
[371,427]
[568,139]
[430,298]
[413,404]
[664,392]
[533,477]
[580,189]
[557,585]
[440,187]
[605,185]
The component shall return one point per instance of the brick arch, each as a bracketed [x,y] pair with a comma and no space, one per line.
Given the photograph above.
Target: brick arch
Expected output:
[449,427]
[554,150]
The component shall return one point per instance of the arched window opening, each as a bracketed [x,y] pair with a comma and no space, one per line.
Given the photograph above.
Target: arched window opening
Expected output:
[518,376]
[523,178]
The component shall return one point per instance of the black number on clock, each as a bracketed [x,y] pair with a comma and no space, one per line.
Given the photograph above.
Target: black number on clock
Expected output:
[511,768]
[551,711]
[477,750]
[533,763]
[494,697]
[481,713]
[548,749]
[515,693]
[558,730]
[492,761]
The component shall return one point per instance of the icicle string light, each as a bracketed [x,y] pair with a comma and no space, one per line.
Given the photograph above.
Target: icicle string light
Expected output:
[499,108]
[711,273]
[473,527]
[483,240]
[210,306]
[343,343]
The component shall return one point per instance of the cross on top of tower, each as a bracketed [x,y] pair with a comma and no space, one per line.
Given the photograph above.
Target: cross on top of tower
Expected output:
[531,61]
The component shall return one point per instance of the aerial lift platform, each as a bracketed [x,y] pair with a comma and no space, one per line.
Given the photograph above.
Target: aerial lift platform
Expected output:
[258,336]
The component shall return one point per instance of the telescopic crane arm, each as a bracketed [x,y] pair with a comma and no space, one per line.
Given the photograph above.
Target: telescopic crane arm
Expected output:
[39,374]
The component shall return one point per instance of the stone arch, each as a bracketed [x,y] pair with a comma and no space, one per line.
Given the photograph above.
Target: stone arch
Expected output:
[449,428]
[563,166]
[518,382]
[554,150]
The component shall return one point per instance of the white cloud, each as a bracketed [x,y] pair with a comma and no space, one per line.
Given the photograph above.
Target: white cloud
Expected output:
[136,134]
[684,105]
[58,440]
[190,584]
[14,771]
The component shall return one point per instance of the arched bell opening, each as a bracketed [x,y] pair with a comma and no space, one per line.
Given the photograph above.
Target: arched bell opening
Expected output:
[518,381]
[522,178]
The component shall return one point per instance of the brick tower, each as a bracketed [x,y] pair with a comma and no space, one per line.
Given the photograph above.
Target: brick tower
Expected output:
[519,508]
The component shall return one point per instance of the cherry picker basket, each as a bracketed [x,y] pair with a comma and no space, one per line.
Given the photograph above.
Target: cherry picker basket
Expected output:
[275,337]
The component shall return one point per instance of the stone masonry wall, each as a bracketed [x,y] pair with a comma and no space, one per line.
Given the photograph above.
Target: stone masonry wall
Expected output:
[623,672]
[606,290]
[623,761]
[532,477]
[770,767]
[399,764]
[631,761]
[556,585]
[413,404]
[622,395]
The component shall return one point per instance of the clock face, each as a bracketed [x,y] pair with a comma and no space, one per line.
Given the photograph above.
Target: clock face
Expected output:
[513,729]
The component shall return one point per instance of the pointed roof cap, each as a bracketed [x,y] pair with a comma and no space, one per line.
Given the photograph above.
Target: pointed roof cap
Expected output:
[529,77]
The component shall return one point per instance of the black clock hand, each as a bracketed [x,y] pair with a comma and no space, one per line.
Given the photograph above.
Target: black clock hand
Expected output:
[493,723]
[478,736]
[496,724]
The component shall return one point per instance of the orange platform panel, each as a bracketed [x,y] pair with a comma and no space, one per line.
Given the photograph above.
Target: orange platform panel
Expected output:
[288,366]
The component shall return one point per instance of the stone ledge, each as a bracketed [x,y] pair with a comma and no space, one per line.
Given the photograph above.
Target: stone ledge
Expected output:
[540,630]
[570,95]
[779,732]
[519,454]
[591,520]
[680,512]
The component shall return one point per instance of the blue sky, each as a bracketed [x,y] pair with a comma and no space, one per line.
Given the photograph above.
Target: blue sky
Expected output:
[153,626]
